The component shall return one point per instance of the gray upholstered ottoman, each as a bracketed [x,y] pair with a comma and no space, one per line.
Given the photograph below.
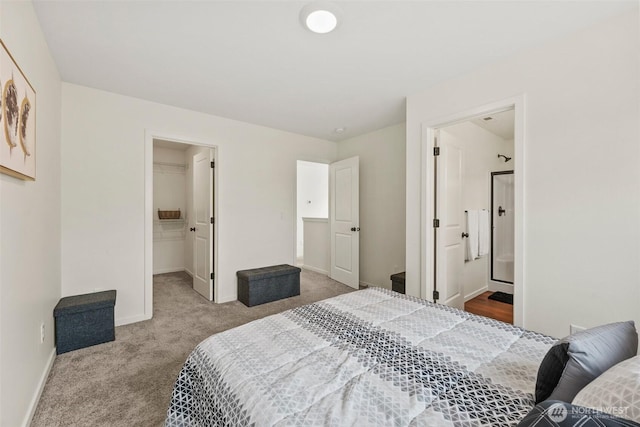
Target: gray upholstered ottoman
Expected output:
[262,285]
[397,282]
[84,320]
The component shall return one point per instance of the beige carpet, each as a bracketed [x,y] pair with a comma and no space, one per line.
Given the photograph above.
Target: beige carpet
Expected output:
[128,382]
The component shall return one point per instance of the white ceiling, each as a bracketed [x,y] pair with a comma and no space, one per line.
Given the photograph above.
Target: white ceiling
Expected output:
[501,124]
[252,60]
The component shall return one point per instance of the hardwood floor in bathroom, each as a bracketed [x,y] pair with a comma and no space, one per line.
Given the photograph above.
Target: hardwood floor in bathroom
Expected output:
[483,306]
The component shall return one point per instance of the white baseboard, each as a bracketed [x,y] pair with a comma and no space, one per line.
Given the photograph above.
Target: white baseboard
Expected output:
[33,405]
[189,272]
[502,287]
[474,294]
[167,270]
[315,269]
[132,319]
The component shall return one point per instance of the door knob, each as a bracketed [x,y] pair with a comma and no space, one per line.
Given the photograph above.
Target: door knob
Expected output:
[465,235]
[501,211]
[192,229]
[355,228]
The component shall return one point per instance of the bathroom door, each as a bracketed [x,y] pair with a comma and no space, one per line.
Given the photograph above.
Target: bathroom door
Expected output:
[449,260]
[203,221]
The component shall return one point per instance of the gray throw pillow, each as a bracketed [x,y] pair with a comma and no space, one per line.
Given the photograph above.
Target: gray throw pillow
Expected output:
[574,361]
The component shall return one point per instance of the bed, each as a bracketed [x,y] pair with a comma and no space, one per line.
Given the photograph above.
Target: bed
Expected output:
[370,357]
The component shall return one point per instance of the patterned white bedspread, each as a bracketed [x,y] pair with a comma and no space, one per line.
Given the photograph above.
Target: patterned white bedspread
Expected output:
[367,358]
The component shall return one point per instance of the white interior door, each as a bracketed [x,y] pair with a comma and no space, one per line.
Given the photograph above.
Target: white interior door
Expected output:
[344,219]
[202,209]
[449,260]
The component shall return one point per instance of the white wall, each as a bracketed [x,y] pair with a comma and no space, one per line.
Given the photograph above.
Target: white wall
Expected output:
[103,200]
[313,196]
[581,176]
[317,256]
[480,150]
[169,193]
[29,230]
[382,202]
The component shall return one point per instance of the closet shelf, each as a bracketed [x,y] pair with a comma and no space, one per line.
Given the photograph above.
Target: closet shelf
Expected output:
[178,165]
[169,229]
[169,221]
[167,167]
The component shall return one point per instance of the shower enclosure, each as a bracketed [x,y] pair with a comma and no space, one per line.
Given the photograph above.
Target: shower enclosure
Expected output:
[502,226]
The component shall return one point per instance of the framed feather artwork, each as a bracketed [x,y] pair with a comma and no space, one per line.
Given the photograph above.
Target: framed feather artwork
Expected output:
[17,121]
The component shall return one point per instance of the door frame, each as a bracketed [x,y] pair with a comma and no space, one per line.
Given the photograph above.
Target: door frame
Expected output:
[149,136]
[427,249]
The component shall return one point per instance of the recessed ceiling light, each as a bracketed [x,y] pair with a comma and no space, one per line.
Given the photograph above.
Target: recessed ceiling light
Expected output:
[339,130]
[320,17]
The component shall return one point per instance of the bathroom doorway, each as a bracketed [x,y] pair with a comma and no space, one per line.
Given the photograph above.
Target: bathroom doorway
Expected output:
[468,155]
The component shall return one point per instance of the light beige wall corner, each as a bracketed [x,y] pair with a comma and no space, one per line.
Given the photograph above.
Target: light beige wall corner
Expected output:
[382,201]
[29,230]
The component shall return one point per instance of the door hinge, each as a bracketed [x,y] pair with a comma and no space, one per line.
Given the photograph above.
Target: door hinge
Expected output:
[213,221]
[436,295]
[213,165]
[436,223]
[213,276]
[436,151]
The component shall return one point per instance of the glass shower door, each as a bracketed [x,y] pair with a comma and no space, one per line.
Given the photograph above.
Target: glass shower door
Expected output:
[502,226]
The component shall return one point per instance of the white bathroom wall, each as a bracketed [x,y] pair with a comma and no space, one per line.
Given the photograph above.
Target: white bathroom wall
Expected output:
[312,196]
[169,193]
[480,150]
[30,281]
[103,203]
[581,177]
[382,202]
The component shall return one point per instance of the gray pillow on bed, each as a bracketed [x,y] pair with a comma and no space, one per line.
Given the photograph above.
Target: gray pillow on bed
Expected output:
[576,360]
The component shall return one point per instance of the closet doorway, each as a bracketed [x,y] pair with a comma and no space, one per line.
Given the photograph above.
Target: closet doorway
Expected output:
[183,211]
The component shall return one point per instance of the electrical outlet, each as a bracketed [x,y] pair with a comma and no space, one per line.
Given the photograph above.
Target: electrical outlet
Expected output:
[42,332]
[575,328]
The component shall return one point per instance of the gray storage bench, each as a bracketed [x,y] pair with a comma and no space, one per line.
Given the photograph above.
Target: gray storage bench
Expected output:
[397,282]
[84,320]
[266,284]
